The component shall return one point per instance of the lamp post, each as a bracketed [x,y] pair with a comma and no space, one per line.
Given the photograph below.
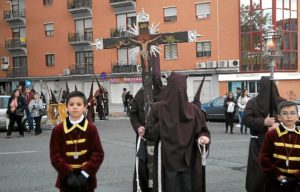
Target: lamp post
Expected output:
[271,52]
[271,49]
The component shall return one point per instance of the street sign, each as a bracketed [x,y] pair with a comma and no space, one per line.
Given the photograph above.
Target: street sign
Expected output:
[103,75]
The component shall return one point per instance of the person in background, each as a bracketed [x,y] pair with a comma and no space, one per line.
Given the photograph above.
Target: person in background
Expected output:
[123,98]
[229,110]
[280,152]
[242,101]
[28,95]
[15,112]
[2,91]
[238,94]
[75,148]
[20,88]
[128,99]
[34,106]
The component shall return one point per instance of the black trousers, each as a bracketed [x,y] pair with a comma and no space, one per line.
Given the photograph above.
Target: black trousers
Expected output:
[37,124]
[12,120]
[178,181]
[229,118]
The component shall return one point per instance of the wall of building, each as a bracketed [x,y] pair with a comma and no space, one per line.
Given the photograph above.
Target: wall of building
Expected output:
[38,44]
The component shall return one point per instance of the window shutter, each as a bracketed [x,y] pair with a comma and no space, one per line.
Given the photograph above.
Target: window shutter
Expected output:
[172,11]
[203,8]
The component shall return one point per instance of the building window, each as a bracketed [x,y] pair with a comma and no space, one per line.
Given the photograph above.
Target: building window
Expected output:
[84,62]
[171,51]
[50,60]
[204,49]
[202,10]
[170,14]
[20,67]
[49,29]
[84,29]
[47,2]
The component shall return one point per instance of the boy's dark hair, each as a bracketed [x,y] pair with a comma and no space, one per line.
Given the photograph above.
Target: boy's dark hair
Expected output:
[286,104]
[76,94]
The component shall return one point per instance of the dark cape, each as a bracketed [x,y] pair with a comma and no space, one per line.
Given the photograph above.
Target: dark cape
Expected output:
[177,124]
[137,119]
[257,109]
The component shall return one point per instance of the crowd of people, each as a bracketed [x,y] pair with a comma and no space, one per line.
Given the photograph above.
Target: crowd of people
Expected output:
[168,138]
[24,102]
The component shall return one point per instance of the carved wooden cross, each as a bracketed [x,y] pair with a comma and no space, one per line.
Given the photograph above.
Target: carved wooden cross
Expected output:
[145,37]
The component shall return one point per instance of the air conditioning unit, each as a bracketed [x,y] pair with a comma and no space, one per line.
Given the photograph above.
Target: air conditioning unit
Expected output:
[201,65]
[211,64]
[223,64]
[234,63]
[4,60]
[139,68]
[67,72]
[4,67]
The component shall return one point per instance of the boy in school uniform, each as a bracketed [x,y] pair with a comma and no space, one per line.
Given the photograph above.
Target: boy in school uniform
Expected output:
[280,153]
[75,148]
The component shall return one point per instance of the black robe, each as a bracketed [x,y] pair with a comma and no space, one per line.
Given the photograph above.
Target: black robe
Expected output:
[257,109]
[177,124]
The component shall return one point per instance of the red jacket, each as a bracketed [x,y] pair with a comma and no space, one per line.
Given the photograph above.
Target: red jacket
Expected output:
[64,139]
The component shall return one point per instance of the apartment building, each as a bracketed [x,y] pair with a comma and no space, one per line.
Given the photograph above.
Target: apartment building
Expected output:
[47,43]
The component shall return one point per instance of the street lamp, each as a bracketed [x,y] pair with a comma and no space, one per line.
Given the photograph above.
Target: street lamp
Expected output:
[271,49]
[271,52]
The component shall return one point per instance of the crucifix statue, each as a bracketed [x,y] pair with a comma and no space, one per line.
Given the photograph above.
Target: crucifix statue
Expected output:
[147,39]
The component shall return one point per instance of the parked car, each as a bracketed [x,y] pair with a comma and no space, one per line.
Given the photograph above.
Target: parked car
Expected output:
[3,108]
[214,110]
[4,120]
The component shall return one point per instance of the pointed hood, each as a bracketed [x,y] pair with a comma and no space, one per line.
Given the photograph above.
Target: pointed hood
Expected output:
[67,89]
[196,100]
[53,99]
[91,92]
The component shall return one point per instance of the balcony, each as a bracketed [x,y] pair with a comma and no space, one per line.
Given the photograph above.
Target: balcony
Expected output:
[81,69]
[14,18]
[80,38]
[18,72]
[119,32]
[120,6]
[80,8]
[17,44]
[117,68]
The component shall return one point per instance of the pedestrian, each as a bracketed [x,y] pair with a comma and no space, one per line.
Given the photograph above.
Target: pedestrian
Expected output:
[257,118]
[15,112]
[123,98]
[137,120]
[2,91]
[238,94]
[242,101]
[100,106]
[280,153]
[179,126]
[28,94]
[35,105]
[229,110]
[128,99]
[75,148]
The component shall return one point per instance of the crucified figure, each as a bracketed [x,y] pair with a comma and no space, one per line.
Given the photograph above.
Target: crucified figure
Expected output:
[144,43]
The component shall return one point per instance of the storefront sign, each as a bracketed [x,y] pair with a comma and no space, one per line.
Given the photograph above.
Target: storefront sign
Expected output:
[126,80]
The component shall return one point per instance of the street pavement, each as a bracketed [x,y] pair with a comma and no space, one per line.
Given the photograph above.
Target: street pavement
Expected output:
[25,164]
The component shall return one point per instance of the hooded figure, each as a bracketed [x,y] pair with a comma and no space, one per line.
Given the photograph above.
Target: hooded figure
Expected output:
[257,118]
[178,124]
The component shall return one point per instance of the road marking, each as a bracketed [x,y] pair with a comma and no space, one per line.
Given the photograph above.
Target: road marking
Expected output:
[227,141]
[17,152]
